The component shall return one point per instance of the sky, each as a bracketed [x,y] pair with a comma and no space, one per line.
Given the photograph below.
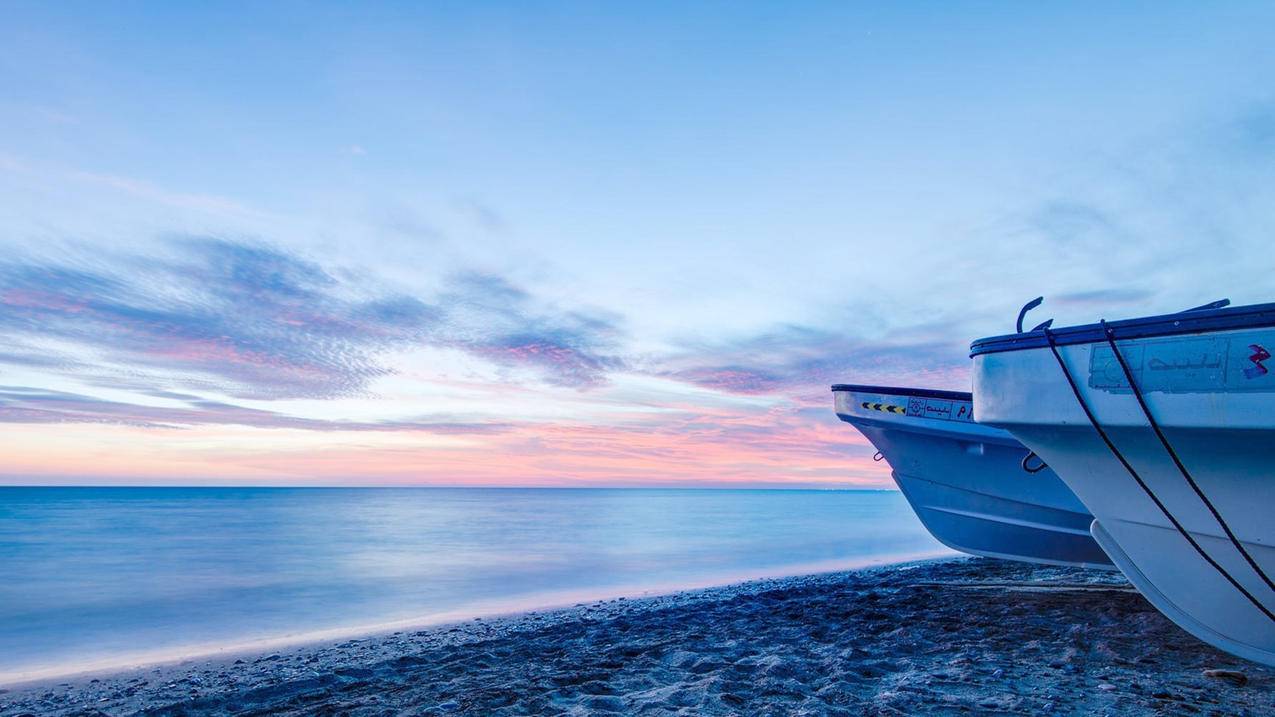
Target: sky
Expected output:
[585,244]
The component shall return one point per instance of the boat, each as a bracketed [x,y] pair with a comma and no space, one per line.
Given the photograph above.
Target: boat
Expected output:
[975,488]
[1164,427]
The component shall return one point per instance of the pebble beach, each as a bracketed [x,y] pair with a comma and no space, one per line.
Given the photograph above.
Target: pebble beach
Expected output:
[946,637]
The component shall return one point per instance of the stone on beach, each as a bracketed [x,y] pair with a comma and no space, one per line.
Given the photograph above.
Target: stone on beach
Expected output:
[1233,676]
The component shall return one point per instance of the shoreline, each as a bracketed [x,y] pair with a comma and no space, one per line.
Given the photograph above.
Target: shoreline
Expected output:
[551,601]
[943,636]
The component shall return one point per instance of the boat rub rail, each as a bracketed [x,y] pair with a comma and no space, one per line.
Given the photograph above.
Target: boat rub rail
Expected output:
[1194,322]
[902,391]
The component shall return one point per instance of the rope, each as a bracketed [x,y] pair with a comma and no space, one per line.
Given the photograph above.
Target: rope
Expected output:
[1155,426]
[1053,346]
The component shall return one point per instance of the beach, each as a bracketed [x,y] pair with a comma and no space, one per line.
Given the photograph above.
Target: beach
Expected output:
[951,636]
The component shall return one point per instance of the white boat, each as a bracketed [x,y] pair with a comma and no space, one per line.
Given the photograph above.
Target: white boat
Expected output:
[969,484]
[1165,428]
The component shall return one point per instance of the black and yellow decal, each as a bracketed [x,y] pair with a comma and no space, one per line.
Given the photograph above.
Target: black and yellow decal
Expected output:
[885,408]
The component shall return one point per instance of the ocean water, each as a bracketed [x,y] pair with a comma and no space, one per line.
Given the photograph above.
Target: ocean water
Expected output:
[94,577]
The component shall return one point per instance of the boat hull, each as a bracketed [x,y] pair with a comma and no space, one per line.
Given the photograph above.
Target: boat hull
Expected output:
[1216,408]
[966,483]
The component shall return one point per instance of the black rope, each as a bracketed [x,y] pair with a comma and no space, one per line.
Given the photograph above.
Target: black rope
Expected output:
[1177,461]
[1053,346]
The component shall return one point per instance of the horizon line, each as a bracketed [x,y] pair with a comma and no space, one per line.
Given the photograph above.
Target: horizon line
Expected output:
[273,486]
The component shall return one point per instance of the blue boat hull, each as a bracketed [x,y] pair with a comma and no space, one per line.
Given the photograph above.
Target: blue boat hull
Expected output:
[966,482]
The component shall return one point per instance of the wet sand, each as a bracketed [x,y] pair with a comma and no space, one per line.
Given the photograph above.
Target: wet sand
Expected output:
[957,636]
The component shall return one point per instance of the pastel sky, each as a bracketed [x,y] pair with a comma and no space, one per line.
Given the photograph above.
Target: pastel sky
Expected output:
[544,243]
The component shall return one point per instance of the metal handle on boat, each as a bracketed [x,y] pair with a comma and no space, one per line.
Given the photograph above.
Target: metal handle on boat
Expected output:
[1022,313]
[1033,469]
[877,456]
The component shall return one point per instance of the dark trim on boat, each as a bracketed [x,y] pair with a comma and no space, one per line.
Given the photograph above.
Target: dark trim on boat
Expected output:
[1230,318]
[1111,446]
[898,391]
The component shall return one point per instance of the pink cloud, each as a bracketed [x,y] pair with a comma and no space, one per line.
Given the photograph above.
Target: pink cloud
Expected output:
[784,445]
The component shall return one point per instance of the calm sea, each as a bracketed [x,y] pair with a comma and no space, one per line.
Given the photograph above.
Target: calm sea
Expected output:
[97,576]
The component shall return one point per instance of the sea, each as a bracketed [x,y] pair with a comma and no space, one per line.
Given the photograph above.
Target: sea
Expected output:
[100,578]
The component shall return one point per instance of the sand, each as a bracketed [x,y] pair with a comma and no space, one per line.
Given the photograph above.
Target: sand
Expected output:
[957,636]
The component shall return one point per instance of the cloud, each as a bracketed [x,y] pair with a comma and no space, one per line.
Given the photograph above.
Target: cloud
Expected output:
[780,446]
[209,317]
[481,215]
[405,221]
[801,360]
[252,321]
[1104,297]
[262,323]
[1179,219]
[28,357]
[1252,131]
[154,193]
[1072,222]
[20,404]
[487,316]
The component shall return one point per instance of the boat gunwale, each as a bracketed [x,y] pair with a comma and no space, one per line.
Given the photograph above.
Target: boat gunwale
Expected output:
[1230,318]
[903,391]
[959,431]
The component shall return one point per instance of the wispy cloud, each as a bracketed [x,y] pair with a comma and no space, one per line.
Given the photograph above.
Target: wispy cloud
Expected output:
[1075,224]
[20,404]
[488,317]
[253,321]
[1180,219]
[484,216]
[1104,297]
[802,360]
[780,446]
[155,193]
[244,320]
[264,324]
